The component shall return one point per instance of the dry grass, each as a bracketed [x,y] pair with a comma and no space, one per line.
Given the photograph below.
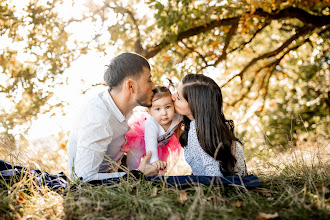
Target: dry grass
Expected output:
[295,185]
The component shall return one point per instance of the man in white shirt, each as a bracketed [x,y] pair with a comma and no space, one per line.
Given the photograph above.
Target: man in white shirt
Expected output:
[96,140]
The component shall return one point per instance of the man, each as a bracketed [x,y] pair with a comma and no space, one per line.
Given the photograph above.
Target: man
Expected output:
[96,140]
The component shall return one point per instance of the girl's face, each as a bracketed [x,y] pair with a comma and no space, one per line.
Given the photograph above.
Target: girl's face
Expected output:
[180,103]
[162,110]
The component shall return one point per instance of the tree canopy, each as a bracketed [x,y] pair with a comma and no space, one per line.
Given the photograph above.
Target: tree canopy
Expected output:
[271,55]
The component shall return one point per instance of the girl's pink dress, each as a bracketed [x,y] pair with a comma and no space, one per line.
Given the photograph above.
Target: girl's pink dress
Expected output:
[135,140]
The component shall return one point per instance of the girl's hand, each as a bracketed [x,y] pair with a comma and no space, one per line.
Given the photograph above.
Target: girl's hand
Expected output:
[159,164]
[146,168]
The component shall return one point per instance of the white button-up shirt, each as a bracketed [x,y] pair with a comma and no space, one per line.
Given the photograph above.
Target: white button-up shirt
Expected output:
[96,140]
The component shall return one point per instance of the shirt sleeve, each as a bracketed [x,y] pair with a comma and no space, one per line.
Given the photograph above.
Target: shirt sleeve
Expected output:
[150,138]
[93,138]
[240,167]
[211,167]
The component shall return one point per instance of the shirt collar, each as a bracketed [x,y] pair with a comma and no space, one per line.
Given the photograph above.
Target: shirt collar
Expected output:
[192,123]
[117,113]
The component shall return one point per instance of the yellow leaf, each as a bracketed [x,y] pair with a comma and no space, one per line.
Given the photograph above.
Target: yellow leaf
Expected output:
[21,197]
[62,146]
[215,44]
[253,9]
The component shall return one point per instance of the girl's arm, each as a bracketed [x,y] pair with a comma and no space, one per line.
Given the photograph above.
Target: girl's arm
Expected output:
[150,138]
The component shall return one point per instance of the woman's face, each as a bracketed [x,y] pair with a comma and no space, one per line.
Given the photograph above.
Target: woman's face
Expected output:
[180,103]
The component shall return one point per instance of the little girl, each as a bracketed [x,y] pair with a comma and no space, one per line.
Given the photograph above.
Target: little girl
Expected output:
[154,133]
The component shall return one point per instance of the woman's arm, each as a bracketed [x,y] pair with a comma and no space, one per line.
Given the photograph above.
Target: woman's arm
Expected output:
[211,167]
[240,166]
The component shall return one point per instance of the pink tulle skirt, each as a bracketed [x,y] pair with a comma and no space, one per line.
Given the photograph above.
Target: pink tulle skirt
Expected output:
[135,140]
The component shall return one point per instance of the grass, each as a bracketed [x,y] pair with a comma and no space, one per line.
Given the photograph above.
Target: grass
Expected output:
[295,185]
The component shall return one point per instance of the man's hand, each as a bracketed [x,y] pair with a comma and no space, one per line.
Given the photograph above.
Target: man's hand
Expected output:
[148,169]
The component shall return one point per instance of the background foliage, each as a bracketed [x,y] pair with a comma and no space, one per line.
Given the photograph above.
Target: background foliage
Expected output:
[271,58]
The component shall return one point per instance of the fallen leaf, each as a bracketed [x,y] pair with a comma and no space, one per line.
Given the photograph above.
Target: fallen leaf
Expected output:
[263,191]
[182,197]
[215,198]
[21,197]
[210,198]
[154,192]
[238,204]
[265,216]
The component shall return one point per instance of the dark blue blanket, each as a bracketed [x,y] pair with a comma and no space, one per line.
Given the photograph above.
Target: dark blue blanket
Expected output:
[249,181]
[9,173]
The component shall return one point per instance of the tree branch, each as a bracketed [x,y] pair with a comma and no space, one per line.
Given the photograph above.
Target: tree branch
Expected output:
[292,12]
[304,30]
[223,56]
[137,45]
[152,51]
[272,66]
[227,41]
[193,49]
[249,41]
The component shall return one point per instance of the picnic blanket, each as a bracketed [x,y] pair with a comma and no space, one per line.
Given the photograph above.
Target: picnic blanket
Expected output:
[249,181]
[9,173]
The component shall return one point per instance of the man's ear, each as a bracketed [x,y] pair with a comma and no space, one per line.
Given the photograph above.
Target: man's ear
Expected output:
[130,85]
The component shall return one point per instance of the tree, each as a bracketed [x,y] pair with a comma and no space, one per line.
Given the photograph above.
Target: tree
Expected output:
[250,46]
[246,44]
[34,53]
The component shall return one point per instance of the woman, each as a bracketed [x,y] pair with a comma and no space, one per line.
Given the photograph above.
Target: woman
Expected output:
[210,146]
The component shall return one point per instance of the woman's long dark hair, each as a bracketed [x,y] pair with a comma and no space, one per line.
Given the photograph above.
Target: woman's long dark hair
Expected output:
[215,133]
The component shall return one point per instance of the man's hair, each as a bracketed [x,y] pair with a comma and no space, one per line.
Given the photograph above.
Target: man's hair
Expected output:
[161,92]
[125,65]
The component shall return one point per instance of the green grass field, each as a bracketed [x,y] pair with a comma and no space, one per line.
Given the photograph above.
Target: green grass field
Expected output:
[295,185]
